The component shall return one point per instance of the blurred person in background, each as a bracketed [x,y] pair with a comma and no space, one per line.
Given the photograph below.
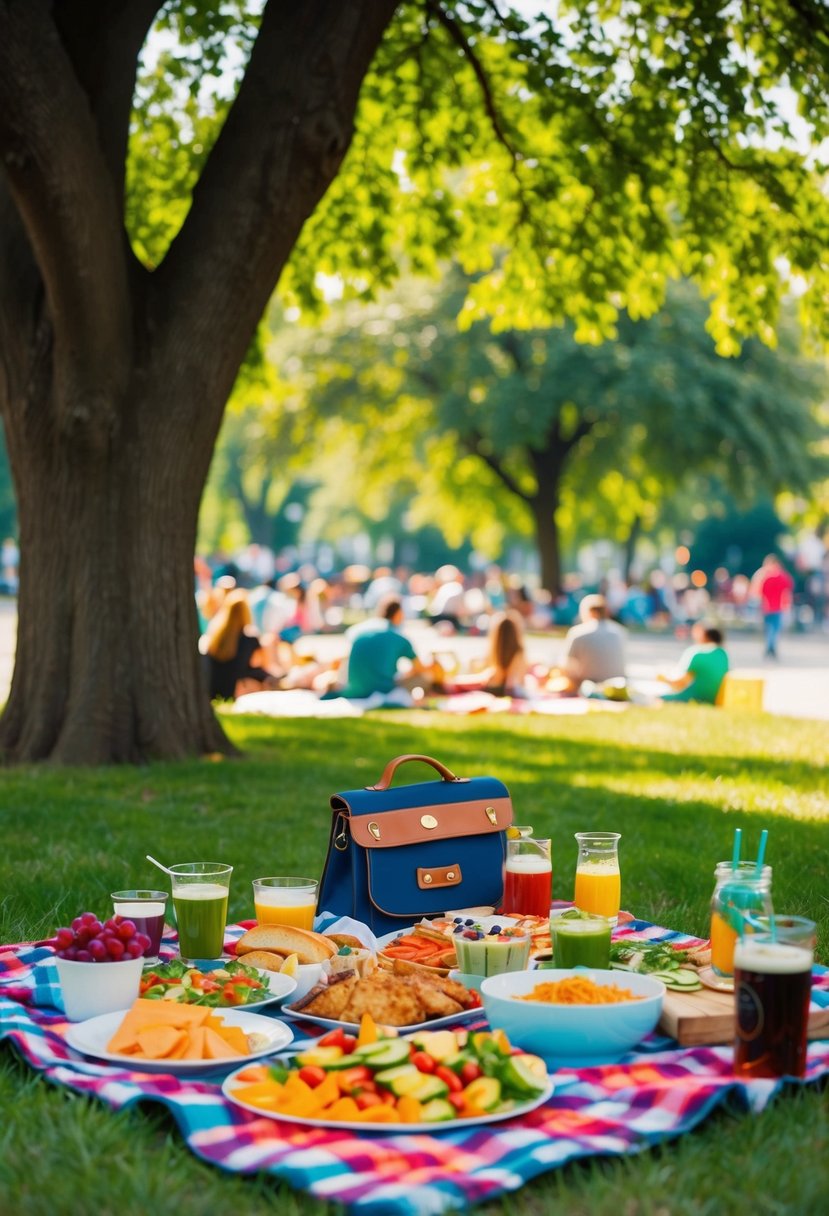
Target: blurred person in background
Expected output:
[593,650]
[377,648]
[448,603]
[773,585]
[702,668]
[233,651]
[505,671]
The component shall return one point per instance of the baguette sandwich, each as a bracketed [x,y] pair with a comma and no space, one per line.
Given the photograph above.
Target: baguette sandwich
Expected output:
[284,940]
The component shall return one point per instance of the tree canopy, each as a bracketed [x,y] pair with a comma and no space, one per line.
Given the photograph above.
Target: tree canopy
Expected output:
[165,165]
[594,438]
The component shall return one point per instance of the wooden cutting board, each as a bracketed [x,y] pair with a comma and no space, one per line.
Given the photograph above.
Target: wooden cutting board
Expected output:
[707,1017]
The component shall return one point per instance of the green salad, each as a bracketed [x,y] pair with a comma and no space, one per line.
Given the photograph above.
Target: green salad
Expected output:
[229,985]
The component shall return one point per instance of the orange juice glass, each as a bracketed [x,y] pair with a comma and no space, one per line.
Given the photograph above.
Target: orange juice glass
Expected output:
[285,901]
[598,881]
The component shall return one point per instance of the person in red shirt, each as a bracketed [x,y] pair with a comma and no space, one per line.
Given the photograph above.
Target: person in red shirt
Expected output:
[773,585]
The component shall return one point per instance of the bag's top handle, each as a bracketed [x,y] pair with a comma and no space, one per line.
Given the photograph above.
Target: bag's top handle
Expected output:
[392,766]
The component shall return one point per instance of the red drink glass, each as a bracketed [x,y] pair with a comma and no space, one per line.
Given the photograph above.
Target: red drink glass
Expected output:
[528,877]
[146,910]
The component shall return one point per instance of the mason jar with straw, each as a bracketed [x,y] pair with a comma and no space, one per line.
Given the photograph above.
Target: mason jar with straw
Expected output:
[741,900]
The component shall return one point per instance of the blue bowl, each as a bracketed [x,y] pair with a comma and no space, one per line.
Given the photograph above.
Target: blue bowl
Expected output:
[573,1035]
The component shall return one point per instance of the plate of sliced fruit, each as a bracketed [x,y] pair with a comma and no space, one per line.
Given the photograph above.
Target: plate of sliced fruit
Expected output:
[428,1081]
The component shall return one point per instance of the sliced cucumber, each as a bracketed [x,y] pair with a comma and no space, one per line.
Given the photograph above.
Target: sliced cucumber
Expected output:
[404,1079]
[681,980]
[517,1077]
[485,1093]
[384,1054]
[428,1088]
[438,1111]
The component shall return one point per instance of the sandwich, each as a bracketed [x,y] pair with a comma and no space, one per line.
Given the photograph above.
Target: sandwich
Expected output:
[284,940]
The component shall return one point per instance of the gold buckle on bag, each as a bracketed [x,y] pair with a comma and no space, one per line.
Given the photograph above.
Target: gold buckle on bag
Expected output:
[341,839]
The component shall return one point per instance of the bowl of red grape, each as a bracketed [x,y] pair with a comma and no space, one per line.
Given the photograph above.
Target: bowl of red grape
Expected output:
[99,965]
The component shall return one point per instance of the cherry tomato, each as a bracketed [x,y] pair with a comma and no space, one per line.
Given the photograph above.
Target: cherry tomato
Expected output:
[449,1078]
[457,1100]
[334,1038]
[388,1098]
[312,1075]
[470,1072]
[230,995]
[349,1043]
[365,1099]
[352,1078]
[423,1062]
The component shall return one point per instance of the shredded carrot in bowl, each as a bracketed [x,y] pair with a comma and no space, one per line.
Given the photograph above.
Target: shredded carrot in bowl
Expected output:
[578,990]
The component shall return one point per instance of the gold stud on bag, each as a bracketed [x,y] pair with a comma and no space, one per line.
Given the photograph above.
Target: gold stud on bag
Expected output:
[428,821]
[374,828]
[492,814]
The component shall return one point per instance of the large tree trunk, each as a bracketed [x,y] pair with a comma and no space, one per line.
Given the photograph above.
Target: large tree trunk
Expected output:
[544,505]
[113,380]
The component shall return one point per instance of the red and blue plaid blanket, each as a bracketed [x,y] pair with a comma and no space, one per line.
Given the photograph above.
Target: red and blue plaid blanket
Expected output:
[655,1094]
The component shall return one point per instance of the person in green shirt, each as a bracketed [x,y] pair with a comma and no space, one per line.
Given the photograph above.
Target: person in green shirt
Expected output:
[377,646]
[702,668]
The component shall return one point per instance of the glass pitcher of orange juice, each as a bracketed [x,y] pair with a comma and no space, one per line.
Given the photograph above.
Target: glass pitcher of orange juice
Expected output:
[598,881]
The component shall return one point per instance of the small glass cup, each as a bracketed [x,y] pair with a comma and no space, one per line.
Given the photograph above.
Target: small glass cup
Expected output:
[146,909]
[200,893]
[580,940]
[285,901]
[598,882]
[772,985]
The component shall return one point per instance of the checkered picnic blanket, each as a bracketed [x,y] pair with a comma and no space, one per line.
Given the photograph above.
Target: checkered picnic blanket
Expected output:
[655,1094]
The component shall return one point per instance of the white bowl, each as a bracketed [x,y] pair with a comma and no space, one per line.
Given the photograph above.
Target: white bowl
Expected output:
[573,1034]
[90,989]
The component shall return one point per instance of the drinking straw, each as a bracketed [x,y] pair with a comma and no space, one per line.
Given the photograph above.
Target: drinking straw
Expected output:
[735,857]
[761,853]
[158,863]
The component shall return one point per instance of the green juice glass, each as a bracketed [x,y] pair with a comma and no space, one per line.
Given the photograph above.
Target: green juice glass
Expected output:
[200,892]
[580,940]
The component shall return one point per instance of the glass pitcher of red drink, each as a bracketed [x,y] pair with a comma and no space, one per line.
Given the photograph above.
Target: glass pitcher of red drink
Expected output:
[528,877]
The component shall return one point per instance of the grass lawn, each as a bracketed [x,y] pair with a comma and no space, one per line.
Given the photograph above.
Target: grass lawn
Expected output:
[674,783]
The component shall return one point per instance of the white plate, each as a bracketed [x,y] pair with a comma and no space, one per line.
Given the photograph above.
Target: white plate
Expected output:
[90,1038]
[451,1019]
[390,1129]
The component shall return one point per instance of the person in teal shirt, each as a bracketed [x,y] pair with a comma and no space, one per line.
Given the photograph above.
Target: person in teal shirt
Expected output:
[377,646]
[703,668]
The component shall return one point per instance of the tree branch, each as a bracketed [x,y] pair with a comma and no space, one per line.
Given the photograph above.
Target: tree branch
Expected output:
[281,145]
[103,39]
[63,192]
[478,447]
[456,33]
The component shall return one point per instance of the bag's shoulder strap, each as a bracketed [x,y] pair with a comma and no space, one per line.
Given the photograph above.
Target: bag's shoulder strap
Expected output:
[393,765]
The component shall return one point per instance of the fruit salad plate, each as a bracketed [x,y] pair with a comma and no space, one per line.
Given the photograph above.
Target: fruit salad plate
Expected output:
[91,1038]
[234,1094]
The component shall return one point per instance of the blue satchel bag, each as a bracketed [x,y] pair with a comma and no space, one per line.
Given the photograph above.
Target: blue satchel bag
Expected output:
[397,855]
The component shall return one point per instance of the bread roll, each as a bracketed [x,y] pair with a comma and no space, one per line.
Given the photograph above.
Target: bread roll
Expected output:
[265,960]
[346,939]
[286,939]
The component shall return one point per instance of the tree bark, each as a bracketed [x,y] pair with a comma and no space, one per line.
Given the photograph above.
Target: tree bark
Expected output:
[113,381]
[544,505]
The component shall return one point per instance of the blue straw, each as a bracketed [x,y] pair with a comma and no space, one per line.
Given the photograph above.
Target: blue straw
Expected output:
[761,852]
[735,858]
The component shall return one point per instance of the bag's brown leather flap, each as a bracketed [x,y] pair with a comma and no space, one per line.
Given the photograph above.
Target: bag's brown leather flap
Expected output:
[416,824]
